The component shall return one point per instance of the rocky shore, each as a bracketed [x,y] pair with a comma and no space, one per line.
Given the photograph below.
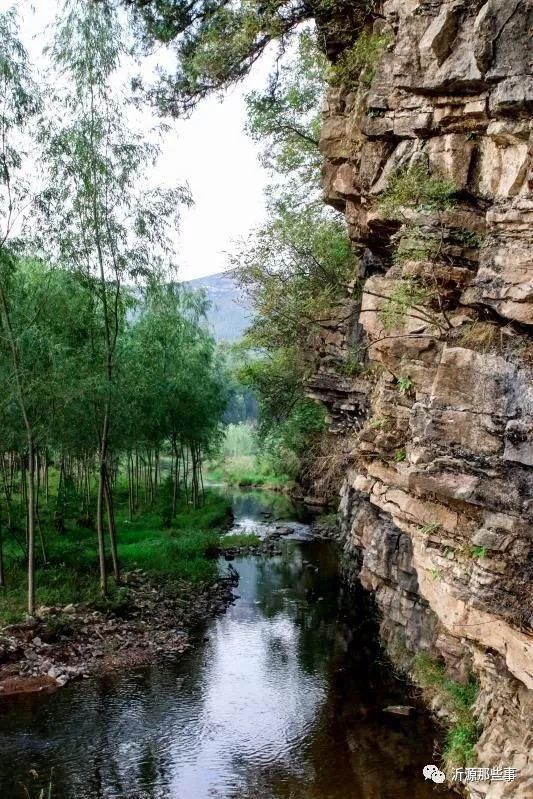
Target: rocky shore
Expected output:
[150,619]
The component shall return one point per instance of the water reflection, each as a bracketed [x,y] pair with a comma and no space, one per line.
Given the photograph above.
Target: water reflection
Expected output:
[282,700]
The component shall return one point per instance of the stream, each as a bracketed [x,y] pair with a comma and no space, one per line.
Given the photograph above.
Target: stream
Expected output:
[282,698]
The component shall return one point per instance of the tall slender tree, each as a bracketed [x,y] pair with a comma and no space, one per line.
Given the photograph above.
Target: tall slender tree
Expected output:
[105,222]
[19,103]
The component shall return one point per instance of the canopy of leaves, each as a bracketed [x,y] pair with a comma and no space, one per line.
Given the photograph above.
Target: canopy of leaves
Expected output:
[19,103]
[285,118]
[295,269]
[218,42]
[169,381]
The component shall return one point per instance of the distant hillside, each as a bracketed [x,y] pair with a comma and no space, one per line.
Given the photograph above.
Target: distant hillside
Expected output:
[230,312]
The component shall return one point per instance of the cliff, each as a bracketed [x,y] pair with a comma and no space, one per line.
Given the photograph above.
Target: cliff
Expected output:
[427,372]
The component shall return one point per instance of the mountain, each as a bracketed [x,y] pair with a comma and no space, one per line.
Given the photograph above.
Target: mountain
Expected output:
[230,311]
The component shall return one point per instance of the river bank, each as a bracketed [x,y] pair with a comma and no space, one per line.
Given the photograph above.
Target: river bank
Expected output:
[153,612]
[152,618]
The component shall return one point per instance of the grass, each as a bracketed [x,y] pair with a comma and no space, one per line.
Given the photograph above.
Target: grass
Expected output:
[357,66]
[238,540]
[414,187]
[404,384]
[377,424]
[246,470]
[430,528]
[458,699]
[481,336]
[185,551]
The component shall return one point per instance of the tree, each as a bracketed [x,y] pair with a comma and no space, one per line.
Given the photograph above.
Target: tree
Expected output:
[285,119]
[217,43]
[298,266]
[19,104]
[105,224]
[294,269]
[173,385]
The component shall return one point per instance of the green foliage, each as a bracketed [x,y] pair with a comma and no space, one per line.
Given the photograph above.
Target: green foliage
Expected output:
[183,552]
[285,119]
[286,445]
[240,439]
[414,245]
[248,471]
[435,574]
[239,540]
[217,43]
[400,455]
[294,270]
[478,552]
[351,366]
[404,384]
[414,188]
[458,699]
[289,422]
[467,238]
[377,424]
[430,528]
[357,66]
[408,295]
[20,102]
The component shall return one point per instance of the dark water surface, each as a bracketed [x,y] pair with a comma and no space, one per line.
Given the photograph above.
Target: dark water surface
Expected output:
[283,698]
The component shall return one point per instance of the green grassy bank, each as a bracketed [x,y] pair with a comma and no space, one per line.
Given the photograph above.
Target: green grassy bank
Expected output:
[183,551]
[247,471]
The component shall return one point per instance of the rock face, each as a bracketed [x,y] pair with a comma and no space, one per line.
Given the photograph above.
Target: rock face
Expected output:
[438,502]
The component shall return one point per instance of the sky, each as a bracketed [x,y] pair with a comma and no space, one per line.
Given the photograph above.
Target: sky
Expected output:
[210,152]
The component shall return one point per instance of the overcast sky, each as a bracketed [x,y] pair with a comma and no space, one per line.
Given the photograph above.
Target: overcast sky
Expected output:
[209,151]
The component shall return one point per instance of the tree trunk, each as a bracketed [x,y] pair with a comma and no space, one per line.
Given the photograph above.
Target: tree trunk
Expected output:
[30,493]
[100,499]
[59,516]
[157,468]
[37,517]
[7,493]
[45,477]
[111,526]
[2,573]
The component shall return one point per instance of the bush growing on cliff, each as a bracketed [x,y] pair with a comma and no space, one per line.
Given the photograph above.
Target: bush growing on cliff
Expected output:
[458,700]
[408,295]
[357,66]
[415,188]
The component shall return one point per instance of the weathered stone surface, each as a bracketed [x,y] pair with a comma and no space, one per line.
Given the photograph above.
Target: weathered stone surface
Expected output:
[438,504]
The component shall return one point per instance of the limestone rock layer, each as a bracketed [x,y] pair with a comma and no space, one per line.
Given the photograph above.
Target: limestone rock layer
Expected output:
[438,503]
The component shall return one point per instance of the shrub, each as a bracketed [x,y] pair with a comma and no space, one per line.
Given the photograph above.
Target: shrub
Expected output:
[357,66]
[481,336]
[413,187]
[414,245]
[458,700]
[404,384]
[239,540]
[377,424]
[408,294]
[432,527]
